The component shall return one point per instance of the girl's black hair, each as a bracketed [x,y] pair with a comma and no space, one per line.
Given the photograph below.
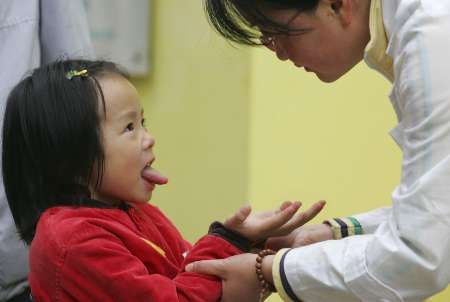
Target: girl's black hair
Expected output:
[52,140]
[242,21]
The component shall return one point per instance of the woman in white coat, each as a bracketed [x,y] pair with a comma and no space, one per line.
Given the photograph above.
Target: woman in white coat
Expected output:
[400,253]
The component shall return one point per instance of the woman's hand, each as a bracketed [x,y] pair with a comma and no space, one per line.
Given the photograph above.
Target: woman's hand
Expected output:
[282,221]
[237,273]
[304,235]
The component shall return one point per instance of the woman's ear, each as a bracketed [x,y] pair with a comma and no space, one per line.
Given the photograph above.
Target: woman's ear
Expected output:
[343,9]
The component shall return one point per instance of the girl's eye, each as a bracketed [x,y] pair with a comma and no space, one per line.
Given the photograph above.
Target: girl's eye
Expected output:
[129,127]
[143,122]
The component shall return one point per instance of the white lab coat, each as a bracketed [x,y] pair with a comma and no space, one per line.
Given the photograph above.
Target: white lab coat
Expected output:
[404,254]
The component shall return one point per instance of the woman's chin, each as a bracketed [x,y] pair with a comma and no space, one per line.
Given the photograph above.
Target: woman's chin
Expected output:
[327,78]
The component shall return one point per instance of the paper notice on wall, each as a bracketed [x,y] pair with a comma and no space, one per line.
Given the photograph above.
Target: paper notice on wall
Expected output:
[120,32]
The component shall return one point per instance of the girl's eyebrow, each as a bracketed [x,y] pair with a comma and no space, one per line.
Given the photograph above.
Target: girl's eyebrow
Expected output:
[131,114]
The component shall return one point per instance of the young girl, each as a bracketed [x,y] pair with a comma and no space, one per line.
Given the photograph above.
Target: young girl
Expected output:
[77,165]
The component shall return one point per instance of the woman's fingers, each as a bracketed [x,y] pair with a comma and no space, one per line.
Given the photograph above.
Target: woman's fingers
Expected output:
[209,267]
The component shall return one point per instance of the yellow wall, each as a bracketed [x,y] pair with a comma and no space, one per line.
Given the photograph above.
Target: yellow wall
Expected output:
[311,140]
[196,104]
[236,124]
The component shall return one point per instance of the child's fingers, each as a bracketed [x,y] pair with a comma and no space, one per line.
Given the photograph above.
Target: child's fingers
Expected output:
[270,213]
[284,206]
[239,217]
[300,219]
[280,218]
[314,210]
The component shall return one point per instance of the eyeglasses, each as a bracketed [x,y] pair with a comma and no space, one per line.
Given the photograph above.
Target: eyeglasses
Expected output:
[267,40]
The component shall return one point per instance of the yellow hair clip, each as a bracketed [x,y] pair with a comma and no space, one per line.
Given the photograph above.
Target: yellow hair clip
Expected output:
[76,73]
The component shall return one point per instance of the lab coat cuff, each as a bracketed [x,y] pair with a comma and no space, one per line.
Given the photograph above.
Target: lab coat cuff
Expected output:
[344,227]
[279,278]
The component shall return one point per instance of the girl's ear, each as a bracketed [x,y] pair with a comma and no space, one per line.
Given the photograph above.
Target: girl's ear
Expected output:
[343,9]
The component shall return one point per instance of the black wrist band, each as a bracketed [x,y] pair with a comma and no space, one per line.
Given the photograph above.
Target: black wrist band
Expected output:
[218,229]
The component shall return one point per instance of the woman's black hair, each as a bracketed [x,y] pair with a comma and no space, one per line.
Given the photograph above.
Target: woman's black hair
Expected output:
[52,141]
[242,21]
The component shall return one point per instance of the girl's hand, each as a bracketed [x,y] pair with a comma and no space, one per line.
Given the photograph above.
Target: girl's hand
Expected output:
[282,221]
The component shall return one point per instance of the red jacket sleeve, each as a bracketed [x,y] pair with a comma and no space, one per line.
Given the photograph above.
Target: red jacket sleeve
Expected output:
[98,267]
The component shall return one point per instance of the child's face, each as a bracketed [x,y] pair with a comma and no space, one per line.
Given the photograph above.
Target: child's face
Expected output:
[128,146]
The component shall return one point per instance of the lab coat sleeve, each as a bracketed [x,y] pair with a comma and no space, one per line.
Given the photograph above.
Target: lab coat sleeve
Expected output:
[407,257]
[370,221]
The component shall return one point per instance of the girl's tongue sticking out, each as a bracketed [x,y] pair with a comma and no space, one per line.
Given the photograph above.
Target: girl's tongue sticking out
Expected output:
[154,176]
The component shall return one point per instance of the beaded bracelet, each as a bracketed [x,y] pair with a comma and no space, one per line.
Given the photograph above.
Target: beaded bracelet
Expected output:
[266,287]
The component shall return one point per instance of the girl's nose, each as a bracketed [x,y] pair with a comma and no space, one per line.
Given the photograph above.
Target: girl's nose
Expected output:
[148,141]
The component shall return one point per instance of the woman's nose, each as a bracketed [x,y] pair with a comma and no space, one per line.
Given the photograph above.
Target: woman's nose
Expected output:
[275,45]
[280,50]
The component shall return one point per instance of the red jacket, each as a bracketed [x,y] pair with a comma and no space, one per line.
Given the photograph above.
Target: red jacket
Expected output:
[92,254]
